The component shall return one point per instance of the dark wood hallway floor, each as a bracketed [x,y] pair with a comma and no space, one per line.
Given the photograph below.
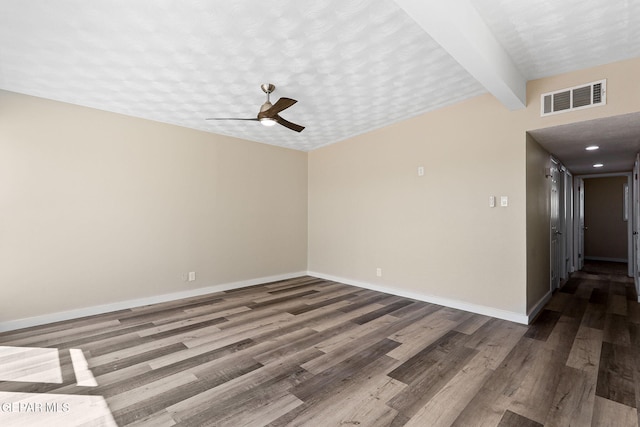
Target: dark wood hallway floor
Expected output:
[317,353]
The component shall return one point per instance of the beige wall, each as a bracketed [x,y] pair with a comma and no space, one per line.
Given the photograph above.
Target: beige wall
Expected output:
[432,235]
[98,208]
[606,235]
[538,223]
[436,235]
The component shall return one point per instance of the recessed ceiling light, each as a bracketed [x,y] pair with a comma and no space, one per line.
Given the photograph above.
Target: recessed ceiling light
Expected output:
[592,147]
[598,165]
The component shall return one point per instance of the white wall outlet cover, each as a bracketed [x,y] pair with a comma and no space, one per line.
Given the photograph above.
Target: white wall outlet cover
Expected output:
[420,170]
[192,276]
[492,201]
[504,201]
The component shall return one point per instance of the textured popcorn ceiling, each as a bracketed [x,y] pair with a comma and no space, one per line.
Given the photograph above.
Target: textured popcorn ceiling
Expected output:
[550,37]
[353,65]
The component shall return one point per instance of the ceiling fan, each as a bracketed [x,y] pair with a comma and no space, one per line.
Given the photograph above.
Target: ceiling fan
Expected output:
[268,114]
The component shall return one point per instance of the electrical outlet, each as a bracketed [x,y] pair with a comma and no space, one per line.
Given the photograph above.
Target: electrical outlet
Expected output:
[192,276]
[379,272]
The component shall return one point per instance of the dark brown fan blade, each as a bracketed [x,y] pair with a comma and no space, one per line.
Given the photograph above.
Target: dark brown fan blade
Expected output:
[288,124]
[281,104]
[230,118]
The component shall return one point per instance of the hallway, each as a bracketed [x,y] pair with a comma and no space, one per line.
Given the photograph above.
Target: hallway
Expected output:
[594,366]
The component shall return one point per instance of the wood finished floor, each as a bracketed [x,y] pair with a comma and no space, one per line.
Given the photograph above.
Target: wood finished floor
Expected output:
[317,353]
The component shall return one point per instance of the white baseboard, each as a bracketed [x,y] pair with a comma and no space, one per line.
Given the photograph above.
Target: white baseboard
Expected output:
[123,305]
[600,258]
[460,305]
[539,305]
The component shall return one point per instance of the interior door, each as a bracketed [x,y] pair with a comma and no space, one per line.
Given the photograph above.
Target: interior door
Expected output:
[556,254]
[568,218]
[580,228]
[635,216]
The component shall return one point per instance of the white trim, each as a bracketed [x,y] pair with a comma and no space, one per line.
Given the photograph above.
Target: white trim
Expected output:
[602,258]
[460,305]
[123,305]
[460,30]
[538,307]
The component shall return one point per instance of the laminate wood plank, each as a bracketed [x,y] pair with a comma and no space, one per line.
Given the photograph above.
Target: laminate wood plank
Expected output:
[183,392]
[574,399]
[19,340]
[450,401]
[385,326]
[137,358]
[156,374]
[616,330]
[158,419]
[570,286]
[412,369]
[585,289]
[617,287]
[203,312]
[176,323]
[227,336]
[616,375]
[585,351]
[310,307]
[132,398]
[617,304]
[511,419]
[217,412]
[377,298]
[442,365]
[489,405]
[280,369]
[358,402]
[559,302]
[295,287]
[562,336]
[340,354]
[332,318]
[594,316]
[495,339]
[543,325]
[279,300]
[257,412]
[343,371]
[472,324]
[607,413]
[511,372]
[389,309]
[151,314]
[534,397]
[421,333]
[599,295]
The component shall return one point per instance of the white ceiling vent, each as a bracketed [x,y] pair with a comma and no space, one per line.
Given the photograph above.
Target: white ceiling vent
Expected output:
[574,98]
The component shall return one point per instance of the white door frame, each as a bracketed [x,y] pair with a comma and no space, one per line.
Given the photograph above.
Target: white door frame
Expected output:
[635,219]
[556,235]
[579,223]
[569,265]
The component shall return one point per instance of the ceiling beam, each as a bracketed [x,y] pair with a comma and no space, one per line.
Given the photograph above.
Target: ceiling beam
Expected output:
[461,31]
